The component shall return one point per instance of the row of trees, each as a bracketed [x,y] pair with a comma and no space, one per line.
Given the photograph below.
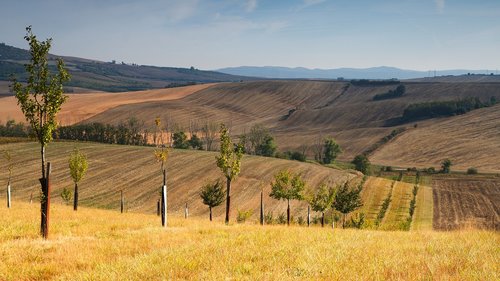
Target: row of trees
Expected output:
[396,93]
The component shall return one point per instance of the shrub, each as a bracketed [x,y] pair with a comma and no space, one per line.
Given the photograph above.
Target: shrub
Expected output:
[358,220]
[300,220]
[66,195]
[268,218]
[243,215]
[472,171]
[281,219]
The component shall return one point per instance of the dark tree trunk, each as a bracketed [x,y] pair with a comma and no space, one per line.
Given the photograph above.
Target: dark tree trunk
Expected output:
[288,213]
[164,200]
[45,203]
[228,199]
[75,199]
[322,219]
[308,216]
[210,208]
[262,208]
[158,208]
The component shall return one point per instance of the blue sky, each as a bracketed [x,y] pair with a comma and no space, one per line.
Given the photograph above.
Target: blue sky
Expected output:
[410,34]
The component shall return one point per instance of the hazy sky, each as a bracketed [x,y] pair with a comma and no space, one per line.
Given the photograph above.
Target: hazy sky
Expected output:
[410,34]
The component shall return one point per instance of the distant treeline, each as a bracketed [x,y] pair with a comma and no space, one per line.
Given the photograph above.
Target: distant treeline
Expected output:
[425,110]
[129,133]
[383,141]
[366,82]
[398,92]
[178,84]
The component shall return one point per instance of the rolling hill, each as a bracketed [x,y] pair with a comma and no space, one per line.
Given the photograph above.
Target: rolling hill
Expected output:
[109,76]
[298,113]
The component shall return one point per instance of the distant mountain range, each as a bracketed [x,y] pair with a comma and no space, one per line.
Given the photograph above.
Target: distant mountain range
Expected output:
[110,76]
[382,72]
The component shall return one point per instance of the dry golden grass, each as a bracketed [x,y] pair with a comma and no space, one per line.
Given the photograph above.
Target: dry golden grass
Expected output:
[374,192]
[422,218]
[105,245]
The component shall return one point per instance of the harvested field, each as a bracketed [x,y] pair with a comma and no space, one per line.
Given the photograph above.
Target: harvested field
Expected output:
[466,202]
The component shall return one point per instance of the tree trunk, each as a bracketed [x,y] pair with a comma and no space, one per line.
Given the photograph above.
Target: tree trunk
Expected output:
[122,202]
[158,208]
[322,219]
[210,208]
[75,199]
[308,216]
[288,213]
[343,220]
[164,200]
[186,211]
[228,199]
[45,203]
[262,208]
[8,194]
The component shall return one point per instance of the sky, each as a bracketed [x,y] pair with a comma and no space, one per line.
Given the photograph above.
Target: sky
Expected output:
[212,34]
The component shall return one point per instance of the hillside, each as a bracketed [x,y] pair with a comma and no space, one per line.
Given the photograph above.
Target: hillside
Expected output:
[113,168]
[109,76]
[300,112]
[106,245]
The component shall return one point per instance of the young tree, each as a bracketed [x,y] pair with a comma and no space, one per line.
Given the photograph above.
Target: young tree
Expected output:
[322,200]
[195,142]
[40,101]
[78,166]
[212,195]
[361,163]
[66,195]
[180,140]
[161,155]
[267,147]
[208,134]
[446,166]
[287,186]
[229,162]
[347,200]
[7,155]
[331,151]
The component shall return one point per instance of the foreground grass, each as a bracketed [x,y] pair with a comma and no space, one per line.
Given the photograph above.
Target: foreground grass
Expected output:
[104,245]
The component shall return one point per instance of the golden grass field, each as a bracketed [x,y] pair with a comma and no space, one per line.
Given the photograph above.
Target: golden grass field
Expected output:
[96,244]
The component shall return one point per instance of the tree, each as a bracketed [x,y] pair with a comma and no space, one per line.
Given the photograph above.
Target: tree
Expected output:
[78,166]
[40,101]
[331,151]
[446,166]
[161,155]
[256,137]
[267,147]
[361,163]
[66,195]
[195,142]
[287,186]
[322,200]
[208,134]
[229,162]
[347,200]
[212,195]
[180,140]
[7,155]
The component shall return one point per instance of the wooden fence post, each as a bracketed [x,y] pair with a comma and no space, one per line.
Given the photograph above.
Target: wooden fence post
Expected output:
[186,211]
[261,207]
[8,195]
[122,202]
[308,216]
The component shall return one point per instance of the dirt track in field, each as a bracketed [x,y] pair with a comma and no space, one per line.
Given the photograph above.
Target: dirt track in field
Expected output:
[460,203]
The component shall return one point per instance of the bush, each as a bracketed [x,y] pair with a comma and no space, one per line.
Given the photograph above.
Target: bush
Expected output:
[268,218]
[243,215]
[300,220]
[472,171]
[357,221]
[430,170]
[281,219]
[66,195]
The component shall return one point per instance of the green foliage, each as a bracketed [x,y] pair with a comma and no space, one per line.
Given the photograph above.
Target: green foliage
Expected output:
[472,171]
[195,142]
[78,165]
[213,194]
[295,155]
[229,159]
[358,221]
[323,198]
[446,166]
[426,110]
[268,218]
[281,218]
[361,163]
[42,97]
[243,215]
[66,195]
[384,140]
[331,151]
[180,140]
[267,147]
[398,92]
[287,186]
[347,200]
